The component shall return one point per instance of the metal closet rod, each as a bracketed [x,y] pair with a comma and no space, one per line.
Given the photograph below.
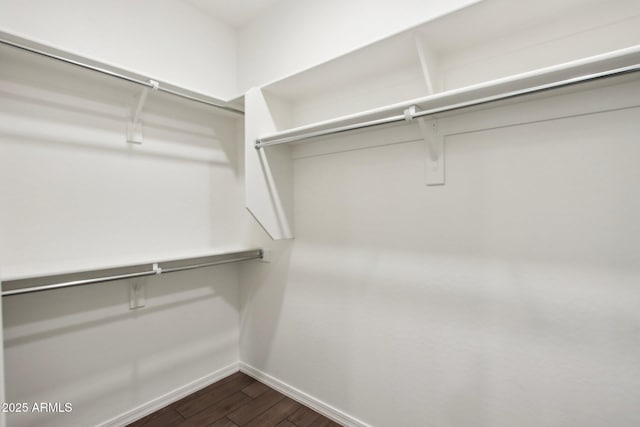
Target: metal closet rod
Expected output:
[156,269]
[407,117]
[148,83]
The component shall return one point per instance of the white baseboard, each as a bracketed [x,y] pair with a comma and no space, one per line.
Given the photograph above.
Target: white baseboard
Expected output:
[166,399]
[302,397]
[284,388]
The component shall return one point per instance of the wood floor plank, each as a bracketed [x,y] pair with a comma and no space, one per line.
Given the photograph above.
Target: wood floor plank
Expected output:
[325,422]
[167,416]
[236,401]
[216,412]
[256,389]
[225,422]
[235,376]
[256,407]
[214,395]
[193,396]
[278,412]
[304,417]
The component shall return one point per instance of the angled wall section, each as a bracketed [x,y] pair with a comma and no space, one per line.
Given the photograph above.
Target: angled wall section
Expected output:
[269,186]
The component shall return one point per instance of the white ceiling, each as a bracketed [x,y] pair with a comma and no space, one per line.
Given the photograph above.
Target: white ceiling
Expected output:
[233,12]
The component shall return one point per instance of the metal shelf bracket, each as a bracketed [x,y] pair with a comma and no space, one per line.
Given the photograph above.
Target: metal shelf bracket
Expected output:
[434,142]
[427,61]
[137,292]
[134,127]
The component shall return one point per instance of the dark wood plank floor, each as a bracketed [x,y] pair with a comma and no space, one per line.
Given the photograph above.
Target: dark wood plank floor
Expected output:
[236,401]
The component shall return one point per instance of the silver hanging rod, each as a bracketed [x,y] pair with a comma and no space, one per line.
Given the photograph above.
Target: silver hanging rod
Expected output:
[100,69]
[73,283]
[39,284]
[407,116]
[209,264]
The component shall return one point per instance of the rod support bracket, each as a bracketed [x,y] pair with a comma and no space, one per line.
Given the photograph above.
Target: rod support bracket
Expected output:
[134,126]
[434,142]
[409,113]
[136,294]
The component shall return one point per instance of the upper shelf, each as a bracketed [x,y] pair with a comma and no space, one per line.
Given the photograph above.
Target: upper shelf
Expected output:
[116,72]
[486,42]
[588,70]
[494,50]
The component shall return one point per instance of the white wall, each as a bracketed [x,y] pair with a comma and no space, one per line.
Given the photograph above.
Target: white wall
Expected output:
[169,40]
[297,34]
[77,196]
[84,346]
[506,297]
[2,398]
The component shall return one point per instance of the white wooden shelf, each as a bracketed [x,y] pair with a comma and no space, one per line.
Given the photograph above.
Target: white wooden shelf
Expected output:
[469,47]
[58,280]
[148,121]
[472,57]
[468,57]
[31,47]
[565,76]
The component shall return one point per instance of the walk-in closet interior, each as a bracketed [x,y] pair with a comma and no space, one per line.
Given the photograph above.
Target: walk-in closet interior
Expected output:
[409,213]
